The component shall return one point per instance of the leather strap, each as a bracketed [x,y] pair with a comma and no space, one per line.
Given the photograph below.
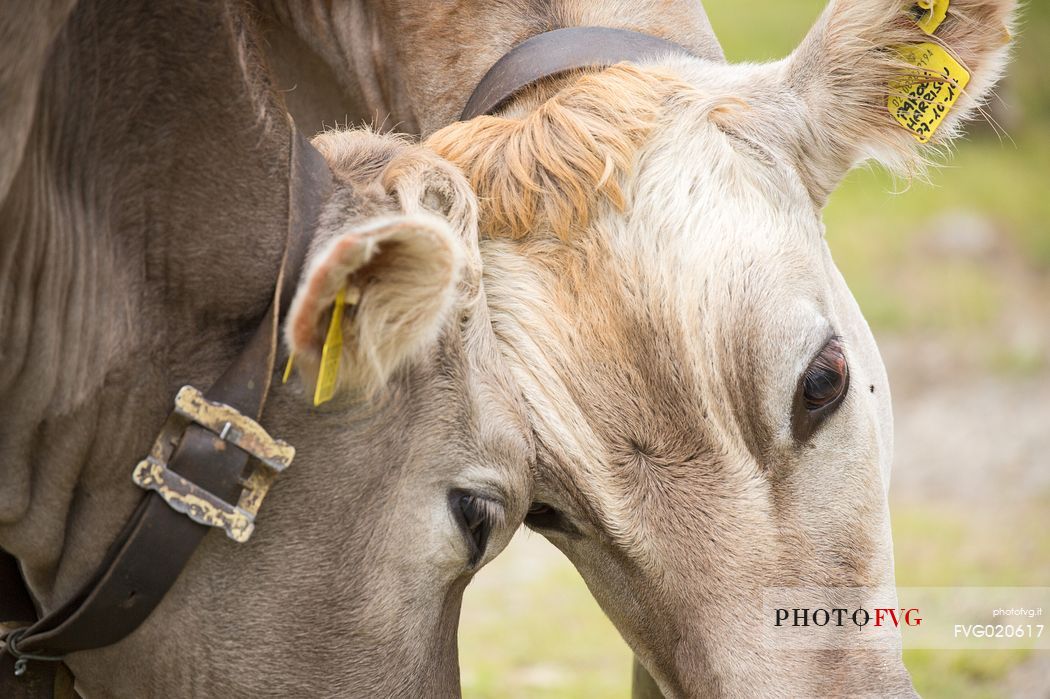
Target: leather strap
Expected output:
[157,542]
[554,52]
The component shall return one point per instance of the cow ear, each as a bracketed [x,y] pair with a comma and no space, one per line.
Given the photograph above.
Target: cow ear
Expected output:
[399,275]
[878,79]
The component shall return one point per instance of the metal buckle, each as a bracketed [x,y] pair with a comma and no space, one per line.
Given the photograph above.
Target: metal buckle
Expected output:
[200,505]
[10,646]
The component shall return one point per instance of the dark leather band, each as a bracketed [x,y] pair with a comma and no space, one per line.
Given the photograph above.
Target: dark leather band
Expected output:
[157,541]
[558,51]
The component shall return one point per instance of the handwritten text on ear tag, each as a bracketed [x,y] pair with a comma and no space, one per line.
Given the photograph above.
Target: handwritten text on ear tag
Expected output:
[332,351]
[922,99]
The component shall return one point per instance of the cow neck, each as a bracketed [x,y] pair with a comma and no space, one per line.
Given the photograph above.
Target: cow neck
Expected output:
[556,52]
[157,542]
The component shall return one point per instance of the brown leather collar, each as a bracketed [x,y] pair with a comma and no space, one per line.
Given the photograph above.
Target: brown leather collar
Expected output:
[157,542]
[554,52]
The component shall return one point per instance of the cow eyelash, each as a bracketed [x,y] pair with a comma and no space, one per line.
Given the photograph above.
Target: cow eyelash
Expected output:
[476,515]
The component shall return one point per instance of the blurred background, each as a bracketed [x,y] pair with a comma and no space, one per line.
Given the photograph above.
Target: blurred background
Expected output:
[954,277]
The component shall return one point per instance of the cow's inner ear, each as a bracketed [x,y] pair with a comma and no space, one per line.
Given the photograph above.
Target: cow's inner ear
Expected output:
[861,55]
[399,277]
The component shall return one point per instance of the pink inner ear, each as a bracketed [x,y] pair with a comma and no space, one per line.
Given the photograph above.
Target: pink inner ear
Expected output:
[319,292]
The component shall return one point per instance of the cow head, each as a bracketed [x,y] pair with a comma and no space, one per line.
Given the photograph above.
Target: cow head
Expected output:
[423,452]
[410,478]
[712,414]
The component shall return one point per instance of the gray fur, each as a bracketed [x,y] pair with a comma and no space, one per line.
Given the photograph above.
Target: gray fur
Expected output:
[142,217]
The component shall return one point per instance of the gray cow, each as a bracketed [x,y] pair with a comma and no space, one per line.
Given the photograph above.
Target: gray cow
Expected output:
[143,203]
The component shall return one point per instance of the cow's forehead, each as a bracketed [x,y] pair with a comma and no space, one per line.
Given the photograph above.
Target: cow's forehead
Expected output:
[680,323]
[713,241]
[645,355]
[675,331]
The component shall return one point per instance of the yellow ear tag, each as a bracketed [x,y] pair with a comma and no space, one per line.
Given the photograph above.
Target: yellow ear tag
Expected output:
[331,353]
[921,106]
[934,12]
[288,368]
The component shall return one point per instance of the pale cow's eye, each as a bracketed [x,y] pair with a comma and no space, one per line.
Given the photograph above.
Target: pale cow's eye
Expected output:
[542,517]
[827,377]
[821,389]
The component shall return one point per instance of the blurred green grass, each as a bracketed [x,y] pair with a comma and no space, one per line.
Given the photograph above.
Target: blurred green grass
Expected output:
[945,545]
[542,636]
[873,232]
[547,638]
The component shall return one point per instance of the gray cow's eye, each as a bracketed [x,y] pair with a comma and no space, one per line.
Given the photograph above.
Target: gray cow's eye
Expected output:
[476,515]
[821,389]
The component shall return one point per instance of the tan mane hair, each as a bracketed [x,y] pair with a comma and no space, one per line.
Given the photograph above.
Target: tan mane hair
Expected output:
[555,163]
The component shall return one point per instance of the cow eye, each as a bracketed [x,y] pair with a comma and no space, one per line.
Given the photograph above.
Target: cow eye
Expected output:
[543,517]
[821,389]
[476,515]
